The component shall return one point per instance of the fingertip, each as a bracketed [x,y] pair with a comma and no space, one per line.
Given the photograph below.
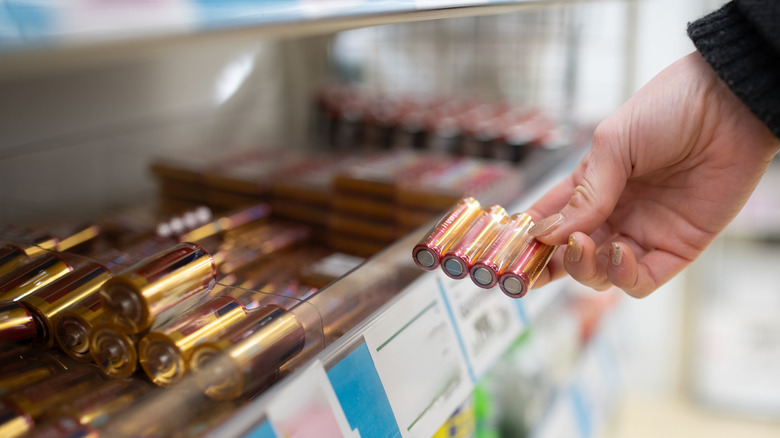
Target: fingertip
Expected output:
[623,270]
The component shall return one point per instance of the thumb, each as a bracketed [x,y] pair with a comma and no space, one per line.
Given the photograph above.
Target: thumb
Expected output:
[596,191]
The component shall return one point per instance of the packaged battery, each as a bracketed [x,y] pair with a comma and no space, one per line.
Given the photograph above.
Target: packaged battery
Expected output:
[19,325]
[34,276]
[27,368]
[371,229]
[355,245]
[47,303]
[509,242]
[94,408]
[241,248]
[459,258]
[249,355]
[22,409]
[521,273]
[114,349]
[446,233]
[156,287]
[164,351]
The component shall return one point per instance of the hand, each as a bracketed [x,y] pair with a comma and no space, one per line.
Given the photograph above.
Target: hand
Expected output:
[665,174]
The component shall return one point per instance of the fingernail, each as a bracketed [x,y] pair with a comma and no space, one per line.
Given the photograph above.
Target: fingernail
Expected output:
[546,225]
[573,250]
[615,254]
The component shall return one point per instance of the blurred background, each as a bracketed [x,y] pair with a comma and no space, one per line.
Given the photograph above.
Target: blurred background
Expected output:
[79,127]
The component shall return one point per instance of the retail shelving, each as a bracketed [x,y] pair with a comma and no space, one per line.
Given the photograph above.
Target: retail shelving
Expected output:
[408,365]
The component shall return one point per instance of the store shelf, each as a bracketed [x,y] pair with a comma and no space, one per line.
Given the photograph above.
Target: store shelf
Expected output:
[407,367]
[36,36]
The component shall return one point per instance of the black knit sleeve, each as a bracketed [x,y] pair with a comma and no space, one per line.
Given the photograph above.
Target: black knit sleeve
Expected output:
[741,41]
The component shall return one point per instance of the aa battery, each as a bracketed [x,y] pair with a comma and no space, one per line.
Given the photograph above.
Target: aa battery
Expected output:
[22,370]
[153,288]
[20,410]
[113,349]
[518,278]
[508,243]
[249,355]
[427,253]
[164,352]
[18,325]
[14,255]
[72,327]
[47,303]
[33,276]
[103,402]
[228,222]
[457,261]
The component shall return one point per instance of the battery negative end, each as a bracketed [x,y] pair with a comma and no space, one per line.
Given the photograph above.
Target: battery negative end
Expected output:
[513,286]
[483,276]
[425,258]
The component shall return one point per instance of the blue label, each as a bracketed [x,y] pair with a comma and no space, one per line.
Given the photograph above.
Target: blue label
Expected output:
[362,396]
[263,431]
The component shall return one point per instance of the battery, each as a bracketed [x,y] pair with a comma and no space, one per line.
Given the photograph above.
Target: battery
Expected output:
[427,253]
[47,303]
[154,288]
[113,349]
[33,276]
[72,327]
[249,355]
[105,401]
[19,325]
[457,261]
[520,275]
[509,242]
[164,352]
[20,410]
[27,368]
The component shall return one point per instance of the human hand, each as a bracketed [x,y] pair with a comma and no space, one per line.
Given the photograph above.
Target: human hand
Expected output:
[665,175]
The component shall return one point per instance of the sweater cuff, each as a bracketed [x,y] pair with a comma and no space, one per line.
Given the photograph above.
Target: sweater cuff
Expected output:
[743,59]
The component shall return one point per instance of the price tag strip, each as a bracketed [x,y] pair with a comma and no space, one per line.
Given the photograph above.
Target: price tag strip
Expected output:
[417,356]
[487,321]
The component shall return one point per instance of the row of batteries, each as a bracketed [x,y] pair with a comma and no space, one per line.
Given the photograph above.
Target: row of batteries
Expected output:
[487,245]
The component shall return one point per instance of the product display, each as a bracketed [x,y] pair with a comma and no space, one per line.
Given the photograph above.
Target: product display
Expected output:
[48,303]
[249,356]
[22,409]
[154,287]
[487,245]
[164,351]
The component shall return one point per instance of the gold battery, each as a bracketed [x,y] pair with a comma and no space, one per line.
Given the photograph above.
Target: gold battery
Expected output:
[113,349]
[164,352]
[72,327]
[21,410]
[78,238]
[12,258]
[27,368]
[18,325]
[104,402]
[47,303]
[154,288]
[249,355]
[33,276]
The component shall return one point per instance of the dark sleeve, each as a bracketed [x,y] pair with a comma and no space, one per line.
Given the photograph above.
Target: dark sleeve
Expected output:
[741,41]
